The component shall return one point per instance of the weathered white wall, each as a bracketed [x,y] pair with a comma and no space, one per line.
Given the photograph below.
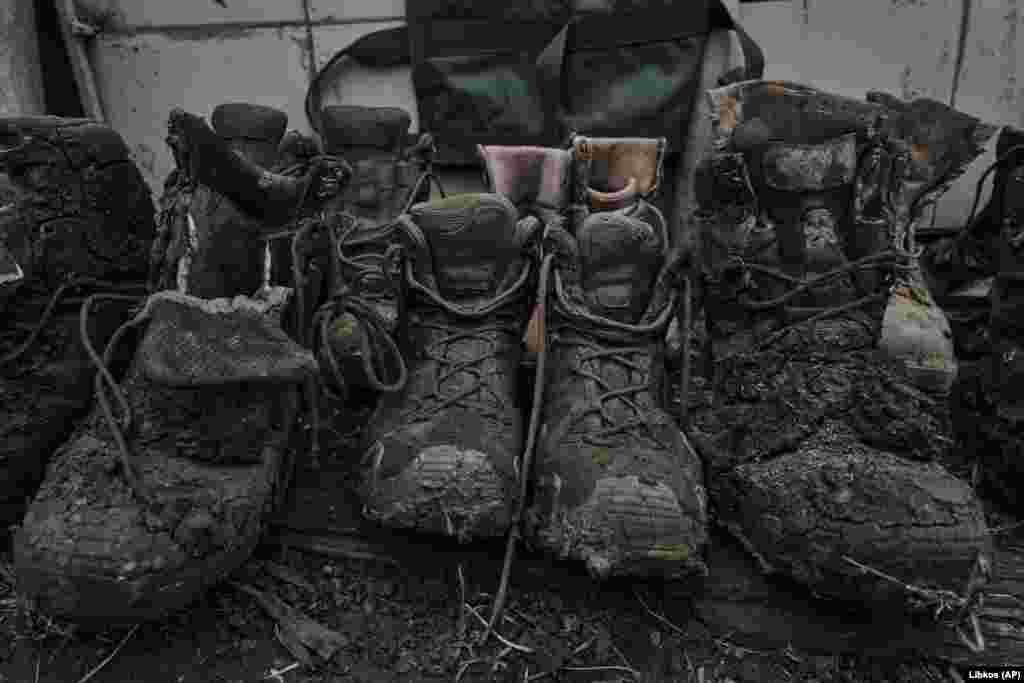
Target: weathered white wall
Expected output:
[21,79]
[154,55]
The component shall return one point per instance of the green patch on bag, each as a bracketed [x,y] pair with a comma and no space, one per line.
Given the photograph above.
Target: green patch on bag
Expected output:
[600,456]
[671,552]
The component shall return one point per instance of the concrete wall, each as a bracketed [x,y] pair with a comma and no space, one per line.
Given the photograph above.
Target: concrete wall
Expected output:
[153,55]
[21,78]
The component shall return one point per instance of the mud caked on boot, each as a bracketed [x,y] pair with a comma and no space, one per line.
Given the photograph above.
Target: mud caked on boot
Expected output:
[164,488]
[988,399]
[391,172]
[80,220]
[444,450]
[616,483]
[818,440]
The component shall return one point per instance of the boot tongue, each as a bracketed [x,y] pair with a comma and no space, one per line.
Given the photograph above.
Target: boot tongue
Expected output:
[359,133]
[620,256]
[475,244]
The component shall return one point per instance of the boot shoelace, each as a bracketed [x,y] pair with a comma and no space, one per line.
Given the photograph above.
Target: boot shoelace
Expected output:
[629,394]
[490,318]
[679,303]
[966,241]
[965,232]
[585,330]
[347,297]
[59,297]
[892,259]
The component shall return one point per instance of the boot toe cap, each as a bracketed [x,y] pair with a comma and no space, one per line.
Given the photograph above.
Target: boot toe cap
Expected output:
[444,489]
[628,526]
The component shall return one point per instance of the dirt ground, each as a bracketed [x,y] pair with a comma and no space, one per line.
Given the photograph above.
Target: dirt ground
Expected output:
[399,626]
[417,618]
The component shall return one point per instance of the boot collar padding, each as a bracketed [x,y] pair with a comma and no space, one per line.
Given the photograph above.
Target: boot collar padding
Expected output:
[616,162]
[528,175]
[192,342]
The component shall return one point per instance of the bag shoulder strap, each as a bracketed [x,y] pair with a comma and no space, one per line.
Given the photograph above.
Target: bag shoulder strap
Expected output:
[753,55]
[390,48]
[385,49]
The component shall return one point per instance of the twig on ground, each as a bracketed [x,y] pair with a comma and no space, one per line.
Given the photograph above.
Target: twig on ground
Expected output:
[731,647]
[506,573]
[109,658]
[502,639]
[460,626]
[582,647]
[662,619]
[963,608]
[465,667]
[941,597]
[1008,527]
[623,657]
[604,669]
[39,661]
[499,662]
[588,669]
[791,654]
[277,675]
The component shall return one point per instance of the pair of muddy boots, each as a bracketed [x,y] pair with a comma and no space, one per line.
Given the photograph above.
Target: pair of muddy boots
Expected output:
[820,406]
[163,489]
[567,252]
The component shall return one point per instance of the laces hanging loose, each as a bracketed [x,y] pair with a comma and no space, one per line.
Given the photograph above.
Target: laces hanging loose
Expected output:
[105,381]
[1003,158]
[374,340]
[60,295]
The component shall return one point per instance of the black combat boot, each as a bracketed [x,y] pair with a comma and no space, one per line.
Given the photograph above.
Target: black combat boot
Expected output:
[79,220]
[163,489]
[820,441]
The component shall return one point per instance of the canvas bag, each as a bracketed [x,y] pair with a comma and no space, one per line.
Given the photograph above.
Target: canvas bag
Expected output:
[529,72]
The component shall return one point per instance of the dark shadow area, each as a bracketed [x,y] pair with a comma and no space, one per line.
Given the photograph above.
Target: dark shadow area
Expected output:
[59,87]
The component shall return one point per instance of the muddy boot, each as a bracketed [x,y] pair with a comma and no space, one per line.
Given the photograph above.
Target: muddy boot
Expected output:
[811,430]
[959,269]
[164,488]
[988,400]
[443,451]
[390,173]
[617,484]
[80,220]
[222,230]
[220,206]
[135,520]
